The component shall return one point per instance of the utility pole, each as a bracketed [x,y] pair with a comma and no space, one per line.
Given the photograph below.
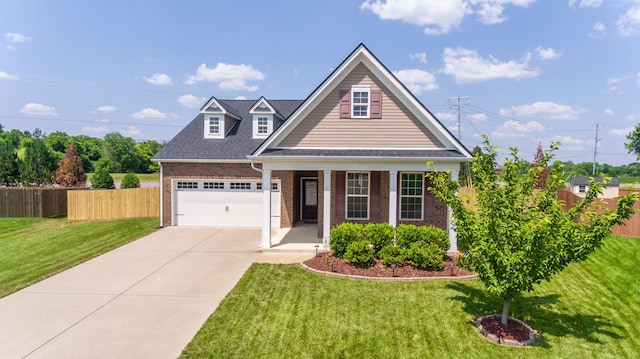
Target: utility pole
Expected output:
[595,151]
[458,102]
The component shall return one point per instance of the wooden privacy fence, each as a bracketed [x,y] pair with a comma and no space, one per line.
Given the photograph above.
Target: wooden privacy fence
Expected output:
[113,203]
[32,202]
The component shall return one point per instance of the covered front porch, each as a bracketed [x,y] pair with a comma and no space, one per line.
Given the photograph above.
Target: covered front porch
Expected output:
[333,196]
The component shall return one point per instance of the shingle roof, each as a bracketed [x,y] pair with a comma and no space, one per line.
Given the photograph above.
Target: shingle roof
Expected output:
[584,181]
[190,144]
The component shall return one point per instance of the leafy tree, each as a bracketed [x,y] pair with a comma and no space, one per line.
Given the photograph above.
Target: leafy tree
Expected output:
[70,172]
[8,164]
[102,178]
[36,163]
[58,142]
[633,146]
[147,149]
[122,152]
[517,236]
[130,180]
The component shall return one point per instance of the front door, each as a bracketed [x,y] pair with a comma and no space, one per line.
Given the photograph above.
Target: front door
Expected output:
[309,199]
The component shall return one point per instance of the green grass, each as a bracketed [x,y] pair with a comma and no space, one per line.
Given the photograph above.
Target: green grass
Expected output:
[143,177]
[32,249]
[591,310]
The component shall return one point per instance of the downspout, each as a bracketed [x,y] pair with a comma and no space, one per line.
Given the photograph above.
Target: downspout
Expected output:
[254,167]
[161,195]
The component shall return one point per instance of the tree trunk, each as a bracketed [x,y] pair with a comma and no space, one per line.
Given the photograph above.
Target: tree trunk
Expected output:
[505,312]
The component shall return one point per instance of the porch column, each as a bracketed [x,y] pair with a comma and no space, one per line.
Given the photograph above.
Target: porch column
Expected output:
[326,209]
[393,198]
[453,236]
[266,209]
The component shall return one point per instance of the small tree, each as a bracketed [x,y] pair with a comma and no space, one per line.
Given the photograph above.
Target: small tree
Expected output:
[130,180]
[633,146]
[36,163]
[8,165]
[102,178]
[518,236]
[541,181]
[70,172]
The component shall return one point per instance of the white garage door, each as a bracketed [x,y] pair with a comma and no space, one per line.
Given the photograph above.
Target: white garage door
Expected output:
[223,203]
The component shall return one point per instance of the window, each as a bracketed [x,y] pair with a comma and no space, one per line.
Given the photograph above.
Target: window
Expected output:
[275,187]
[411,195]
[240,185]
[187,185]
[582,188]
[214,127]
[357,195]
[262,126]
[360,102]
[213,185]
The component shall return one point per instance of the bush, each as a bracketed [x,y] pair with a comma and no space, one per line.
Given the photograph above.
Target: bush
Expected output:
[342,235]
[130,180]
[379,235]
[425,255]
[392,254]
[359,253]
[102,180]
[407,234]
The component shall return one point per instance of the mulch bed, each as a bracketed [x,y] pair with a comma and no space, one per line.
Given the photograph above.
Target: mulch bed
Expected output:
[322,262]
[514,333]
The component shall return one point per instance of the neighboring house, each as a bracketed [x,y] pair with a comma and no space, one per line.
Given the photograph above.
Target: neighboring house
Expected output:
[579,185]
[354,150]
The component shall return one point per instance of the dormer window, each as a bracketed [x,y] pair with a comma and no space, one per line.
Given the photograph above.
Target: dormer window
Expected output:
[262,126]
[214,127]
[360,101]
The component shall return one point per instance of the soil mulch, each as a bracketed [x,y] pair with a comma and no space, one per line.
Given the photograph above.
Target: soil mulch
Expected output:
[514,330]
[322,262]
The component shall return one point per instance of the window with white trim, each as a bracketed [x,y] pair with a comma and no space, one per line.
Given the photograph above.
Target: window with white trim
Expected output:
[582,188]
[262,126]
[240,185]
[214,127]
[213,185]
[275,187]
[360,101]
[411,195]
[357,195]
[187,185]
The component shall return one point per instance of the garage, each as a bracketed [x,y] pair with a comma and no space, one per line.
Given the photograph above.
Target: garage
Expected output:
[223,203]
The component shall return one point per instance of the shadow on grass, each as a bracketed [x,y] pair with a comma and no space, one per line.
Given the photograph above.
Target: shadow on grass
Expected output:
[538,312]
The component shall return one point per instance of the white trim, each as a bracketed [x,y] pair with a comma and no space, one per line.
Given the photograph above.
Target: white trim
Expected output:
[326,209]
[360,89]
[161,195]
[266,209]
[207,126]
[393,198]
[262,101]
[195,160]
[256,125]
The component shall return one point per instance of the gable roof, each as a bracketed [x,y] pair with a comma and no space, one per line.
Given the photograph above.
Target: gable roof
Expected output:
[585,181]
[362,55]
[190,144]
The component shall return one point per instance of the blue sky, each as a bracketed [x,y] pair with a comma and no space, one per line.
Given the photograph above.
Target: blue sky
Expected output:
[529,71]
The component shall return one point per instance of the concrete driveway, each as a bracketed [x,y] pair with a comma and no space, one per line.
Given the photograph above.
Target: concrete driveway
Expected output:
[146,299]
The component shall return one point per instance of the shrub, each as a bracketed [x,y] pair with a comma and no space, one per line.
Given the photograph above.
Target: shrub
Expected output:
[392,254]
[379,235]
[130,180]
[343,234]
[102,180]
[438,237]
[359,253]
[425,255]
[406,234]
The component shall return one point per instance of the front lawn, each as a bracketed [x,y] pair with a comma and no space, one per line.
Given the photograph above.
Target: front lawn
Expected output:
[591,310]
[32,249]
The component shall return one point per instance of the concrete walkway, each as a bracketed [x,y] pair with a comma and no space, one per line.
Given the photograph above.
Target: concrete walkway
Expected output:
[146,299]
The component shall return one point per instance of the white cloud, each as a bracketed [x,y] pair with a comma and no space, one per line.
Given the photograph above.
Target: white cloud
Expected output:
[95,130]
[586,3]
[550,110]
[420,56]
[159,79]
[37,109]
[228,77]
[190,101]
[417,80]
[15,37]
[622,131]
[7,76]
[599,31]
[468,66]
[105,109]
[436,16]
[478,117]
[629,23]
[491,13]
[440,16]
[149,114]
[131,131]
[513,128]
[547,54]
[240,98]
[608,112]
[445,116]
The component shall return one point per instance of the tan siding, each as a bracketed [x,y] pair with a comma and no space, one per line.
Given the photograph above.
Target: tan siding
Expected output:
[397,128]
